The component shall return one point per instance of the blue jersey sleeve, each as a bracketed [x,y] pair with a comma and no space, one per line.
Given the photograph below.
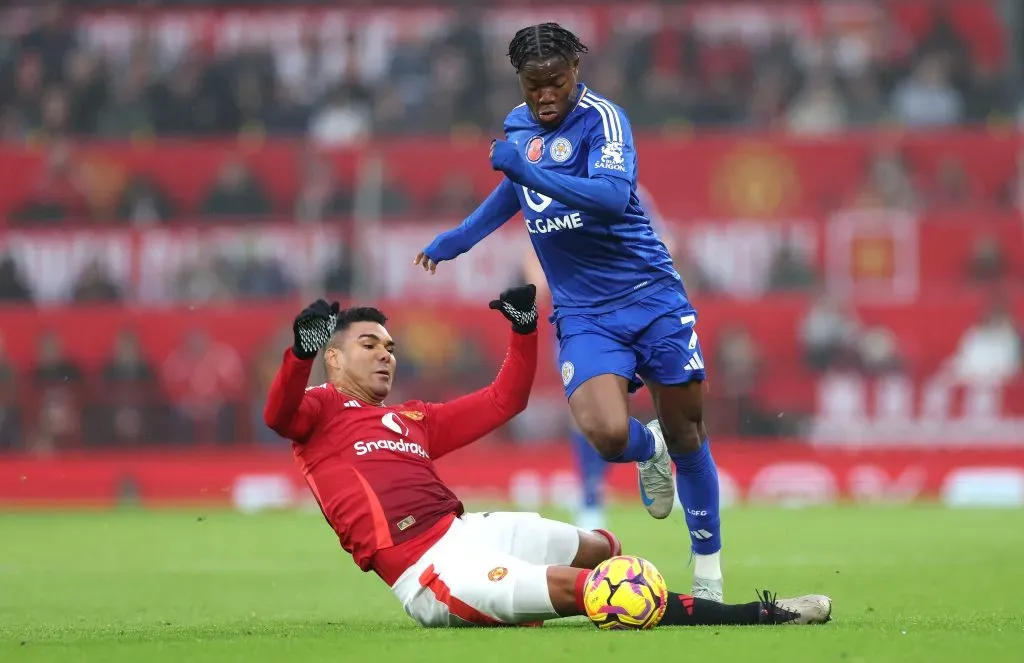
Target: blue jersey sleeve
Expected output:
[611,141]
[498,208]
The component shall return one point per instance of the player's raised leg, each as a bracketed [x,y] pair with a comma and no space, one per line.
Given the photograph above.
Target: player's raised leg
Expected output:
[598,373]
[600,407]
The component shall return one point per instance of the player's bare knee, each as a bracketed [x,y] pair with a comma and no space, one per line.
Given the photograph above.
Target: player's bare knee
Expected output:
[609,438]
[683,437]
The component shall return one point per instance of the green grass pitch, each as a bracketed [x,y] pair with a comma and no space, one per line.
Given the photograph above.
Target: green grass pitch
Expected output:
[909,584]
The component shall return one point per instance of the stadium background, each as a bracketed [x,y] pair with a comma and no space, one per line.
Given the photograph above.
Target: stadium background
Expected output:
[842,182]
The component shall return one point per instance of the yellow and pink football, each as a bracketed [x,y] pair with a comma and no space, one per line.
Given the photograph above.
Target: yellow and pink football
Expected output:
[625,593]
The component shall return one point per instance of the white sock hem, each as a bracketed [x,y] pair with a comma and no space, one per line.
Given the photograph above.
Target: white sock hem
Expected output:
[708,566]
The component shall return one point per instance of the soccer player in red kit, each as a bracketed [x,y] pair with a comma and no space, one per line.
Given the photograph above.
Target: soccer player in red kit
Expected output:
[370,466]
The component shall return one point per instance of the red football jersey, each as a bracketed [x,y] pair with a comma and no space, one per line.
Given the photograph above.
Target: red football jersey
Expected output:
[371,467]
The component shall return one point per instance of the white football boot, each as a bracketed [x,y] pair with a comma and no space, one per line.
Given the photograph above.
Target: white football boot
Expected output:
[707,588]
[802,610]
[657,487]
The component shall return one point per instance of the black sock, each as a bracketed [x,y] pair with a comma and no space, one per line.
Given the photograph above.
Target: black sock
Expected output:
[684,610]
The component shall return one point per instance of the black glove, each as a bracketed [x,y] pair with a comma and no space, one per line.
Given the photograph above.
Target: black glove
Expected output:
[519,305]
[313,328]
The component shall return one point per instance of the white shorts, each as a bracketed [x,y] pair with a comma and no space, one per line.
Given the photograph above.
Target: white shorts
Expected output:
[489,569]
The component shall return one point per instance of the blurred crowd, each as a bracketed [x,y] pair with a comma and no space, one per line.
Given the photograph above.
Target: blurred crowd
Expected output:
[54,83]
[206,392]
[58,86]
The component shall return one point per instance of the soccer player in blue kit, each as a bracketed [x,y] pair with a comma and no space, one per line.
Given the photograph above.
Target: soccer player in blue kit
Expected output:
[621,313]
[591,468]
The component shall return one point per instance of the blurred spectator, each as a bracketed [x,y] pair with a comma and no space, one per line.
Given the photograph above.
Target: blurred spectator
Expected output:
[343,119]
[888,183]
[236,193]
[57,422]
[339,278]
[988,262]
[203,379]
[442,77]
[59,193]
[455,198]
[286,115]
[865,105]
[52,365]
[263,278]
[51,38]
[95,285]
[209,277]
[86,92]
[320,196]
[13,288]
[10,413]
[878,352]
[951,189]
[818,108]
[394,200]
[990,351]
[127,365]
[739,367]
[128,409]
[790,271]
[127,111]
[927,98]
[143,203]
[829,334]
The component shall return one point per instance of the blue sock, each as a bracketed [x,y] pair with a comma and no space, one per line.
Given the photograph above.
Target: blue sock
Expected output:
[591,468]
[640,446]
[697,486]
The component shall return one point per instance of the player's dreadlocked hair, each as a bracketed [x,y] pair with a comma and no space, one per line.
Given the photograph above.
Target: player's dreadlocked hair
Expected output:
[359,314]
[544,41]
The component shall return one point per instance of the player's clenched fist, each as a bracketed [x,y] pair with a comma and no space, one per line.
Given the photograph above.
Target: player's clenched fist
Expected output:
[504,156]
[313,328]
[519,305]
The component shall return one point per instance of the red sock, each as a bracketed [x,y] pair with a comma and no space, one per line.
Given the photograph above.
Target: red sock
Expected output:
[613,542]
[581,585]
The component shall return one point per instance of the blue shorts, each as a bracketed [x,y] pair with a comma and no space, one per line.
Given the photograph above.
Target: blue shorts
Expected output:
[651,340]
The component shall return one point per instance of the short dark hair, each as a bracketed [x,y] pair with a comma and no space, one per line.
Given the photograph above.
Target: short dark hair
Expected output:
[359,314]
[544,41]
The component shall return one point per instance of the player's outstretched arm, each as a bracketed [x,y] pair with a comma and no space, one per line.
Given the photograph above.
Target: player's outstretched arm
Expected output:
[597,194]
[290,411]
[498,208]
[455,424]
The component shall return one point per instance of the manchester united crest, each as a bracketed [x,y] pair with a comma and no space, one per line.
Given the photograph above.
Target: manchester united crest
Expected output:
[497,573]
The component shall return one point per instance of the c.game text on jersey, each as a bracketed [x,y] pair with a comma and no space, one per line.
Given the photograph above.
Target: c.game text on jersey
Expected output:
[567,222]
[363,448]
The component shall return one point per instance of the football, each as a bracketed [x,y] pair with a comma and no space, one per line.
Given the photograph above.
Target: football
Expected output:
[625,593]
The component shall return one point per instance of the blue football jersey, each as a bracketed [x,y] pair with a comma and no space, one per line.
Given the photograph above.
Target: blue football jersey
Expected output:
[593,264]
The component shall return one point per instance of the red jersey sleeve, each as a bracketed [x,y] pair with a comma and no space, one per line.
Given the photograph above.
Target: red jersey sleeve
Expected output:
[291,410]
[455,424]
